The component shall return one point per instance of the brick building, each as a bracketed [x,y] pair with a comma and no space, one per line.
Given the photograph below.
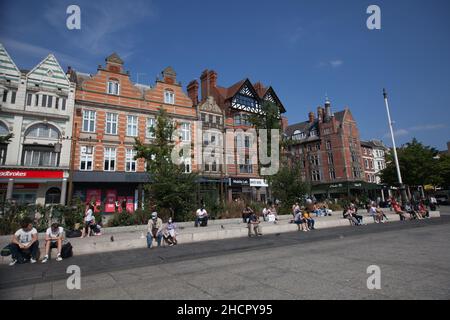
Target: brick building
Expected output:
[368,160]
[225,110]
[36,107]
[328,148]
[110,112]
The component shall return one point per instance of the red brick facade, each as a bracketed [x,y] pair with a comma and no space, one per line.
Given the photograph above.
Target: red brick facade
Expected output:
[328,147]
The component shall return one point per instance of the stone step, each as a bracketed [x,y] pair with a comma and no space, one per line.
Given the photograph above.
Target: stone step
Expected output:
[136,239]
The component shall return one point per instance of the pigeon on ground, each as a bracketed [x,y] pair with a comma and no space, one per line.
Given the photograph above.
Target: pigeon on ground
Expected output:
[222,226]
[112,238]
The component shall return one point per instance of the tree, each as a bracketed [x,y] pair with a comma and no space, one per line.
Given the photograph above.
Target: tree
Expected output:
[288,186]
[7,138]
[443,170]
[170,189]
[268,119]
[418,165]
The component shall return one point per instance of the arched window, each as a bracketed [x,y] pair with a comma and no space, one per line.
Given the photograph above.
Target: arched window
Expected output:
[53,196]
[3,129]
[42,130]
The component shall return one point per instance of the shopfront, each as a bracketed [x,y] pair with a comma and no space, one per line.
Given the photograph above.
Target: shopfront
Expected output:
[110,192]
[24,187]
[247,189]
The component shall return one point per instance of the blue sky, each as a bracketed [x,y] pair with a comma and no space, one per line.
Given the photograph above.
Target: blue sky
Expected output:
[304,49]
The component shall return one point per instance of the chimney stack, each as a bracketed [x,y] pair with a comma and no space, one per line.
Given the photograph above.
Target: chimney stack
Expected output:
[311,117]
[212,79]
[204,83]
[192,90]
[320,114]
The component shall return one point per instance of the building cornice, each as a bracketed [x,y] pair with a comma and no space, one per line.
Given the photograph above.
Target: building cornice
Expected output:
[82,103]
[34,114]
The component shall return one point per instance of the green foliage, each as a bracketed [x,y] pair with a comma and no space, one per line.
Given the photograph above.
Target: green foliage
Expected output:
[42,216]
[441,176]
[288,186]
[418,164]
[7,138]
[170,189]
[122,219]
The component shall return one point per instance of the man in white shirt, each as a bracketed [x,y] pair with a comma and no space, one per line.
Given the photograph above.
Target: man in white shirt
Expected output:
[24,242]
[53,239]
[201,215]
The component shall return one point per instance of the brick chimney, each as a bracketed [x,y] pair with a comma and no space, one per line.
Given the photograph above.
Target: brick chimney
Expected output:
[204,83]
[311,117]
[192,90]
[212,79]
[284,122]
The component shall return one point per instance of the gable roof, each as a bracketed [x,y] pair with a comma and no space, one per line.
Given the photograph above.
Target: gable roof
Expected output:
[230,92]
[8,69]
[340,115]
[49,73]
[305,127]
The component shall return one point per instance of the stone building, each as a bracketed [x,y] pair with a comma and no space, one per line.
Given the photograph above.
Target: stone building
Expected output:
[36,108]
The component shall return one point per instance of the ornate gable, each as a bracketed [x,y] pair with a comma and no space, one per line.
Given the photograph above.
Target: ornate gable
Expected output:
[8,69]
[210,105]
[49,74]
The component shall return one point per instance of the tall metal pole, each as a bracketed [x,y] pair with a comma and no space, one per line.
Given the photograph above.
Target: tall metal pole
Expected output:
[399,174]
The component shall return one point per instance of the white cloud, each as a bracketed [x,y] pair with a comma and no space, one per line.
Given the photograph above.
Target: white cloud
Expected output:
[428,127]
[40,53]
[103,27]
[332,63]
[419,128]
[336,63]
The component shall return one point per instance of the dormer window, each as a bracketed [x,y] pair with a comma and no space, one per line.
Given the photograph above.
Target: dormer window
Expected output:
[113,87]
[169,97]
[313,133]
[298,135]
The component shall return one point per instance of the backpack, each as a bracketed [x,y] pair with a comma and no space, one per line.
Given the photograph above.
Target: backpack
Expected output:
[6,251]
[66,250]
[73,233]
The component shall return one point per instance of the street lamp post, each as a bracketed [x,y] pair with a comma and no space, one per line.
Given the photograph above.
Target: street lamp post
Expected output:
[399,175]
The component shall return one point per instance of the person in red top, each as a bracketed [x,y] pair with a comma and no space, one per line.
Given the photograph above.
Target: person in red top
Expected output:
[423,210]
[398,210]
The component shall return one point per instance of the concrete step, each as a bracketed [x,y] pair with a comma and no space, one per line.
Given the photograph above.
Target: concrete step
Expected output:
[136,238]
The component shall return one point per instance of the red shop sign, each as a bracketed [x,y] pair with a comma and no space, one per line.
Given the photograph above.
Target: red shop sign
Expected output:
[4,186]
[30,174]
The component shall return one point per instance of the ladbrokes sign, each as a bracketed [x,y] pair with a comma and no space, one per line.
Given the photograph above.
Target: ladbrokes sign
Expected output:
[30,174]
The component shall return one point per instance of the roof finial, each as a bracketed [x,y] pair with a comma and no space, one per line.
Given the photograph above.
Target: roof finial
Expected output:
[327,100]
